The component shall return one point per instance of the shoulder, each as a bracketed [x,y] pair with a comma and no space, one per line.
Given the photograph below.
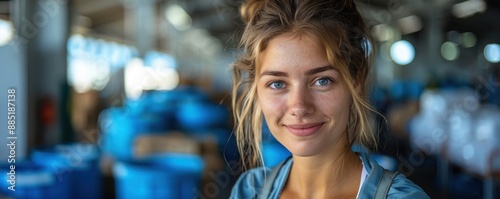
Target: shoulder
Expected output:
[249,183]
[402,187]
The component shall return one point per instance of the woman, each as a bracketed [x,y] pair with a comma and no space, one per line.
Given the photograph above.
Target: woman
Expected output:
[304,70]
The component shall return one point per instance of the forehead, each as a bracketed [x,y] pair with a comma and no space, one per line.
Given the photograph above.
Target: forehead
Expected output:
[293,52]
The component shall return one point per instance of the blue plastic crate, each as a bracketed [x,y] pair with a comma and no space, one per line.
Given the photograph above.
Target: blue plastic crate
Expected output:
[161,176]
[202,115]
[162,102]
[32,182]
[165,101]
[74,164]
[120,128]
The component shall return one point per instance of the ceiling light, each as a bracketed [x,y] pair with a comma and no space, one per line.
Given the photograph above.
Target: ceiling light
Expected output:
[468,8]
[410,24]
[178,17]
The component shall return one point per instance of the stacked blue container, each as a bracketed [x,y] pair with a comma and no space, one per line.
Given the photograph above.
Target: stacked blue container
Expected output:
[153,113]
[196,115]
[157,112]
[162,176]
[121,127]
[32,182]
[76,165]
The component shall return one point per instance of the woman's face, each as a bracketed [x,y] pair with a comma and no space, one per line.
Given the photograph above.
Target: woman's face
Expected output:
[303,98]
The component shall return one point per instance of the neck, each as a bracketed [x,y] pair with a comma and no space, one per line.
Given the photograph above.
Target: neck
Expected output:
[323,176]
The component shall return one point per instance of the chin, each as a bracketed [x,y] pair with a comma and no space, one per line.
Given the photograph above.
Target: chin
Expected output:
[303,149]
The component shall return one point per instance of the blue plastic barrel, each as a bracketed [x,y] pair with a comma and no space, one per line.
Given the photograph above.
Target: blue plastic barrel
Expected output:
[161,176]
[74,164]
[32,182]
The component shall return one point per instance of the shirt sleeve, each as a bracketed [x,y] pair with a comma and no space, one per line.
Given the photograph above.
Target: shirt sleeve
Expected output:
[249,184]
[402,187]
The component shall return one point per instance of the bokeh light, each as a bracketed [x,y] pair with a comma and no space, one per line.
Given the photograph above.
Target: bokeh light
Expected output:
[402,52]
[132,78]
[492,53]
[178,17]
[469,39]
[6,32]
[450,51]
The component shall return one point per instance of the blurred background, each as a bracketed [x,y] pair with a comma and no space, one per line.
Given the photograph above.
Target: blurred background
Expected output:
[131,98]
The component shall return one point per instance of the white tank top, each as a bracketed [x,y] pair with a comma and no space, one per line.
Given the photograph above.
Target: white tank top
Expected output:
[364,174]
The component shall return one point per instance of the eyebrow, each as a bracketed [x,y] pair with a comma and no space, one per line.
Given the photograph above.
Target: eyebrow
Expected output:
[274,73]
[319,70]
[310,72]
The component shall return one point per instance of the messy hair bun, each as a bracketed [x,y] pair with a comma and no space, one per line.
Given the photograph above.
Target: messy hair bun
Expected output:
[250,8]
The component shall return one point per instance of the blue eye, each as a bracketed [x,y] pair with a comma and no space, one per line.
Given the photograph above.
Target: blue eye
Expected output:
[277,85]
[323,82]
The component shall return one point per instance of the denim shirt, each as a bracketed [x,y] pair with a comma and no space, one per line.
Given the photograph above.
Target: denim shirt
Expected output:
[250,183]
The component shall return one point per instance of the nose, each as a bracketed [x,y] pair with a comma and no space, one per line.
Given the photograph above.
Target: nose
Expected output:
[301,102]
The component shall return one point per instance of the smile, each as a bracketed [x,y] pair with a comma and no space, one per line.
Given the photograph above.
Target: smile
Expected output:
[304,129]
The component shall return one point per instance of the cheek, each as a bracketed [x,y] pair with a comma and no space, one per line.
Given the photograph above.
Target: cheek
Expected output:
[272,106]
[334,105]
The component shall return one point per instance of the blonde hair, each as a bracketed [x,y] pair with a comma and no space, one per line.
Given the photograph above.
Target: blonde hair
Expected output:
[342,32]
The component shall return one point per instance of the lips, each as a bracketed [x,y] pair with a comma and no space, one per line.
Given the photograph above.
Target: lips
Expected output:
[304,129]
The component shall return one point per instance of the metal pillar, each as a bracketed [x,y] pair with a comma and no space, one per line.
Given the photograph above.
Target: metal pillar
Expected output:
[42,26]
[140,24]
